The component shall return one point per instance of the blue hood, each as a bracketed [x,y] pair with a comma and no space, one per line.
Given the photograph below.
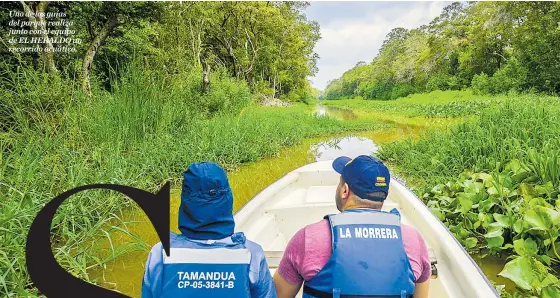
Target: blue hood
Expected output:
[206,206]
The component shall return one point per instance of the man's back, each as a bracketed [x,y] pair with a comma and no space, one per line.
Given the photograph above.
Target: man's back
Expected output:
[310,249]
[260,281]
[207,259]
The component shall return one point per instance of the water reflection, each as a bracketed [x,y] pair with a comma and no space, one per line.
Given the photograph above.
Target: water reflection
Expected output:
[342,114]
[347,146]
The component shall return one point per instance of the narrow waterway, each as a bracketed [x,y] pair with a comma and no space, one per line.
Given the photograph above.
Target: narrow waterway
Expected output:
[125,274]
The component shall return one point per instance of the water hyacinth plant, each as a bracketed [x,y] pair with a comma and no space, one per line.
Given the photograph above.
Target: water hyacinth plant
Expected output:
[510,210]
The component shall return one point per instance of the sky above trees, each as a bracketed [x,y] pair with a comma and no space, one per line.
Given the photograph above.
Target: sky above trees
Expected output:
[354,31]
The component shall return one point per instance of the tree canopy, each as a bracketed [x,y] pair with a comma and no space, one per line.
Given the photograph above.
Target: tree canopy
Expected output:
[491,46]
[267,44]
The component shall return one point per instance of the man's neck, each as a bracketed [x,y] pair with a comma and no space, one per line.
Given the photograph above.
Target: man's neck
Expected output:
[359,207]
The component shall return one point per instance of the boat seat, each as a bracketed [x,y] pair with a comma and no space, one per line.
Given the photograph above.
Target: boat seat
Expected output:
[273,258]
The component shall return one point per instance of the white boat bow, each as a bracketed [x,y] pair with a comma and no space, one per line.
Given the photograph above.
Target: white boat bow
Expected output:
[306,195]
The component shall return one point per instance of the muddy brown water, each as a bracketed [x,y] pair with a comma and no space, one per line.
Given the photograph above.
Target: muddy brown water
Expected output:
[125,273]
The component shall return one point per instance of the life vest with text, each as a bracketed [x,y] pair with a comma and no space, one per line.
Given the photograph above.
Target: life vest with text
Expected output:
[207,269]
[368,258]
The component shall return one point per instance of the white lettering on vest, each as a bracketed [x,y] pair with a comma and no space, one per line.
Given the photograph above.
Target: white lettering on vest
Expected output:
[345,234]
[361,232]
[194,276]
[358,232]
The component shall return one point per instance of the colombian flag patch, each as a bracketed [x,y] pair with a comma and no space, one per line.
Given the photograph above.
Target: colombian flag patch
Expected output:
[380,181]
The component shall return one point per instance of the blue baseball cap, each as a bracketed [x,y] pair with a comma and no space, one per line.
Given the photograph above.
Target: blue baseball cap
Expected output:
[364,175]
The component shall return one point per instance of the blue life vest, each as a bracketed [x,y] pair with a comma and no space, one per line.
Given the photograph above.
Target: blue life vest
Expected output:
[368,258]
[207,269]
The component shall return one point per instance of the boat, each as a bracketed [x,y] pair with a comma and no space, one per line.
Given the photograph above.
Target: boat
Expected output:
[306,195]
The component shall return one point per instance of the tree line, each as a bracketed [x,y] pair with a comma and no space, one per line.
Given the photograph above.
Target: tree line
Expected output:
[492,47]
[267,45]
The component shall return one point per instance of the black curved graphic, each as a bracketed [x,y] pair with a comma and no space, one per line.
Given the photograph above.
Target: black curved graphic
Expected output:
[45,272]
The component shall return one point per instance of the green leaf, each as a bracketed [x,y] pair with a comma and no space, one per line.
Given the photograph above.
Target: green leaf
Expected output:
[519,270]
[539,218]
[503,220]
[492,191]
[472,216]
[518,226]
[466,203]
[471,242]
[487,179]
[494,231]
[437,212]
[549,280]
[484,206]
[532,179]
[527,191]
[520,176]
[544,259]
[476,224]
[525,247]
[514,165]
[550,292]
[545,188]
[495,242]
[488,219]
[539,202]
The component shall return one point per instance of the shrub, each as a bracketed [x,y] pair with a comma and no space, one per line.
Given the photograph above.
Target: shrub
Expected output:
[511,77]
[442,82]
[481,84]
[401,90]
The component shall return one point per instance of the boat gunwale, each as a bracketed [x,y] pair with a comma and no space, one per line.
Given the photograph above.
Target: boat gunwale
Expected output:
[488,283]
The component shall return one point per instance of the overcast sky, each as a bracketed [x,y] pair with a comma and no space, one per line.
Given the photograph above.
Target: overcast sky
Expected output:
[354,31]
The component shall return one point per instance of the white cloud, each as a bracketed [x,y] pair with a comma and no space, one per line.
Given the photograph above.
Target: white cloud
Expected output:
[354,31]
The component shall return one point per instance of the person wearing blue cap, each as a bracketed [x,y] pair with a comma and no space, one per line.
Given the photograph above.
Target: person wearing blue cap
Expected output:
[360,252]
[207,259]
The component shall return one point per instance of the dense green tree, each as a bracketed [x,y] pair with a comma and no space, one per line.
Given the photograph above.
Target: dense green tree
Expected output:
[267,44]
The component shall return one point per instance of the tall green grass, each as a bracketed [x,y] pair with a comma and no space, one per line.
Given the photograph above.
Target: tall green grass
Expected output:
[522,127]
[142,133]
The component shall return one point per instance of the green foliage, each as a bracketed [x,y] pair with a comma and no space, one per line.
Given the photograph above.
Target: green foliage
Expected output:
[436,104]
[268,45]
[401,90]
[509,130]
[511,77]
[495,47]
[481,84]
[501,211]
[442,82]
[32,99]
[494,181]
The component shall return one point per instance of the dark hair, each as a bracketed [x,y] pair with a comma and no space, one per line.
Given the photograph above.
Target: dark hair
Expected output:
[370,203]
[378,195]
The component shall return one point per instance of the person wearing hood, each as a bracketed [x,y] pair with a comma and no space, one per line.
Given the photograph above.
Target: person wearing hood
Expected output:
[207,259]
